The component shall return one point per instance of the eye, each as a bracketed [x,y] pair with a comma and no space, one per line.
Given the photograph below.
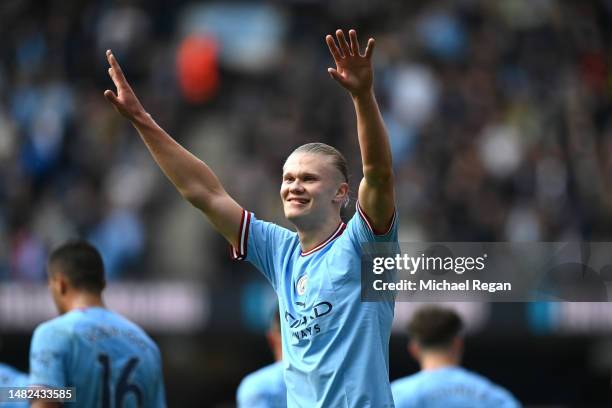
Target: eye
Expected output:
[288,179]
[310,178]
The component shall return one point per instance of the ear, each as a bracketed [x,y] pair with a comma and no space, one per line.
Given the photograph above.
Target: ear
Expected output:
[458,345]
[62,283]
[342,194]
[414,350]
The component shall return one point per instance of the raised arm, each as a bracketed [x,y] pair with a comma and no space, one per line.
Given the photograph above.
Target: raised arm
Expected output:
[193,178]
[354,72]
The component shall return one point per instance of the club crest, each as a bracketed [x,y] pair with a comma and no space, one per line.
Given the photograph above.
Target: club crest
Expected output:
[301,285]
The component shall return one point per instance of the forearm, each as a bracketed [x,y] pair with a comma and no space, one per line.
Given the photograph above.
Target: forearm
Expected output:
[373,139]
[194,180]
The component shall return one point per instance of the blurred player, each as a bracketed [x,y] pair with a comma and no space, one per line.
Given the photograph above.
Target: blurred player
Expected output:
[437,345]
[265,388]
[10,377]
[110,361]
[335,348]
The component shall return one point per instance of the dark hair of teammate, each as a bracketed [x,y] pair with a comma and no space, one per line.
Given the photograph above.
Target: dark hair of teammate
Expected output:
[434,327]
[81,263]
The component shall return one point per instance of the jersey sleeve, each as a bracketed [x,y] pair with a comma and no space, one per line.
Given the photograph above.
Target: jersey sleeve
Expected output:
[48,356]
[360,228]
[262,243]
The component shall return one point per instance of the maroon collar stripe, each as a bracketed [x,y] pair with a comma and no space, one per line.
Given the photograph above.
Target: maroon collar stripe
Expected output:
[333,236]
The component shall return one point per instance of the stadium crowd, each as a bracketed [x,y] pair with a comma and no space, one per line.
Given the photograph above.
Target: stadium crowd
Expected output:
[497,115]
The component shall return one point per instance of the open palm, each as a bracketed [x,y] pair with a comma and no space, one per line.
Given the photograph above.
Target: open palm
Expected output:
[353,70]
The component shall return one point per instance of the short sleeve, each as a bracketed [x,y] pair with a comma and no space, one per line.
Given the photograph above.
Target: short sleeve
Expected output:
[48,356]
[263,244]
[360,228]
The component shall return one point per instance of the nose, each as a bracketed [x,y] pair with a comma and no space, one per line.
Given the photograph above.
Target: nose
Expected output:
[296,187]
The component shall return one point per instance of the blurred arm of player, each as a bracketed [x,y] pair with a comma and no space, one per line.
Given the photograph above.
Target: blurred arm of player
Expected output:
[355,73]
[193,178]
[46,404]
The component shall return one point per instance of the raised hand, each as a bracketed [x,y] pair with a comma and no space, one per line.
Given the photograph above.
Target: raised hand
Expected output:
[125,101]
[353,70]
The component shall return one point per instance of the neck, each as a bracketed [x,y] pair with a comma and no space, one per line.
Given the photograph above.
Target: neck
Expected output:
[434,361]
[316,234]
[84,300]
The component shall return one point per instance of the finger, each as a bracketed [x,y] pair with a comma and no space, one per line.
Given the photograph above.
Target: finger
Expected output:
[118,77]
[116,81]
[354,42]
[111,97]
[333,49]
[370,48]
[342,42]
[335,74]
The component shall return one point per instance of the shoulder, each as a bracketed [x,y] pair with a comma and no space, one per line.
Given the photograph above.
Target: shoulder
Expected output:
[10,376]
[405,384]
[136,331]
[496,392]
[406,390]
[360,229]
[59,327]
[264,381]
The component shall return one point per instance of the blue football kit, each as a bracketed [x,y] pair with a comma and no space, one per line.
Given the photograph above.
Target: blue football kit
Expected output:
[265,388]
[450,387]
[335,348]
[111,362]
[11,378]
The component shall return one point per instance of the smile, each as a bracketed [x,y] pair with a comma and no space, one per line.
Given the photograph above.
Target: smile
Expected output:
[298,200]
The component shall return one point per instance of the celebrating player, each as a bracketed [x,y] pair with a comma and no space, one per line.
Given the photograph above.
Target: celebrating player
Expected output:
[437,346]
[335,348]
[265,388]
[109,360]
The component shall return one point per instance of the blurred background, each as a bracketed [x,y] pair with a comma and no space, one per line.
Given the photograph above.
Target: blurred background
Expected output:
[498,114]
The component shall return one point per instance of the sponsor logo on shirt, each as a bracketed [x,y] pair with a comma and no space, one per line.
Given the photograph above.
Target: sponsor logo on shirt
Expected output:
[305,326]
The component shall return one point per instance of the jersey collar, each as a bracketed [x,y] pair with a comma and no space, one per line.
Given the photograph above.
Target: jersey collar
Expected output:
[333,236]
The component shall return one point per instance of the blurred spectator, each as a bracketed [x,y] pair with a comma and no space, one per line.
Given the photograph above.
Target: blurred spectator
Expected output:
[498,115]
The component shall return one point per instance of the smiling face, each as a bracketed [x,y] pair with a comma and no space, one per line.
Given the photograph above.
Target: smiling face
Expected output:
[312,190]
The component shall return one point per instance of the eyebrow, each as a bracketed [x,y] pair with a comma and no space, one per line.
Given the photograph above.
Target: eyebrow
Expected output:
[302,174]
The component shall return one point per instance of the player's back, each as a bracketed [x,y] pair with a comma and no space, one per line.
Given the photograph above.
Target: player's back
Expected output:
[110,361]
[450,387]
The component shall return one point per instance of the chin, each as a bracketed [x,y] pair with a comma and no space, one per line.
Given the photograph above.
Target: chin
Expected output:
[295,216]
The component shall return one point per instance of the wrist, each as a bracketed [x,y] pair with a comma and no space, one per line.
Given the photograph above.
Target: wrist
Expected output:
[362,96]
[140,118]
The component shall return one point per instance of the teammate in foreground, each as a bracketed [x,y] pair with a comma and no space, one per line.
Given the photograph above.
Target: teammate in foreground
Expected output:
[437,345]
[109,360]
[10,377]
[265,388]
[335,348]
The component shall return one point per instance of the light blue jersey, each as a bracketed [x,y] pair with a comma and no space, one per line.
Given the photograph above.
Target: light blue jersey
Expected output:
[9,377]
[450,387]
[265,388]
[335,348]
[110,361]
